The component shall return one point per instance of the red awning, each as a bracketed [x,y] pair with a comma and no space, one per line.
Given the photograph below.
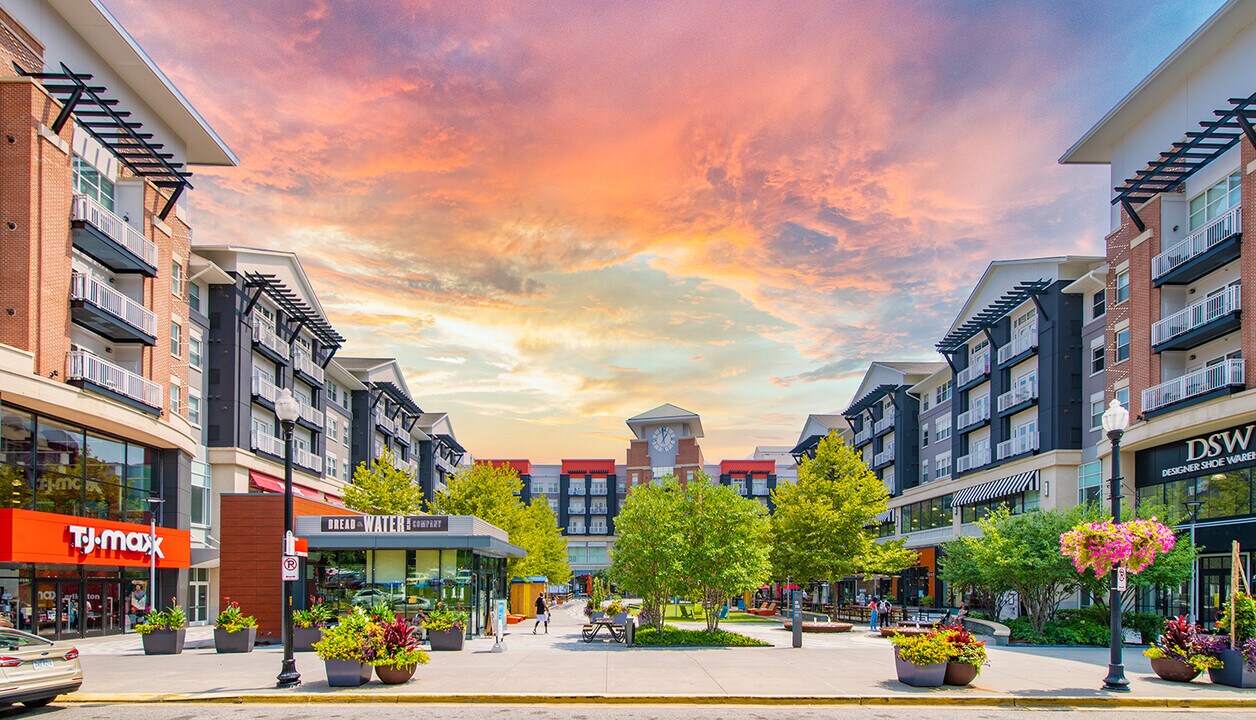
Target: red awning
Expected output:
[273,484]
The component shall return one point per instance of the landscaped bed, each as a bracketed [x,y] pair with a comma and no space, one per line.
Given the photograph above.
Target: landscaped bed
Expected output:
[672,636]
[677,612]
[820,627]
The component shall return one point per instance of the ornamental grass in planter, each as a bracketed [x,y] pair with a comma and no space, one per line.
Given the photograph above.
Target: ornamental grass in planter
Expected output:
[920,660]
[397,651]
[234,632]
[163,632]
[967,655]
[1176,656]
[445,628]
[308,625]
[347,650]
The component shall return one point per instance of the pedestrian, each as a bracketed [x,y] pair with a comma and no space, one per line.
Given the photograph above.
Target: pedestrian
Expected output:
[874,608]
[542,614]
[887,611]
[963,612]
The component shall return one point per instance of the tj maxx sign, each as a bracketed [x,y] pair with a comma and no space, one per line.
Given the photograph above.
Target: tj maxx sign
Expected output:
[1216,452]
[46,538]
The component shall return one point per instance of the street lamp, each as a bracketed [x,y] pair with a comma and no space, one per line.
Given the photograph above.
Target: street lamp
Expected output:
[1115,419]
[154,504]
[1192,506]
[287,409]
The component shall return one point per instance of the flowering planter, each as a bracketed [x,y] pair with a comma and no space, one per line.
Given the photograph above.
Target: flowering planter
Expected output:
[919,675]
[303,639]
[164,642]
[596,615]
[620,618]
[450,639]
[347,673]
[1173,670]
[959,674]
[394,676]
[1235,672]
[240,641]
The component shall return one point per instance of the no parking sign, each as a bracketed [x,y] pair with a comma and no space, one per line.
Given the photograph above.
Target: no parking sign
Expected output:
[289,567]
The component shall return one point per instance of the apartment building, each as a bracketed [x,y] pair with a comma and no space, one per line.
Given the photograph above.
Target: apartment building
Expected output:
[100,402]
[1181,151]
[884,418]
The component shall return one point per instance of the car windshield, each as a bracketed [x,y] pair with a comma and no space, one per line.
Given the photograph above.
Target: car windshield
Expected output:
[14,640]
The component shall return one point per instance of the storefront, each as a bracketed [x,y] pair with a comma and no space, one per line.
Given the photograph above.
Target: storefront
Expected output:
[1218,470]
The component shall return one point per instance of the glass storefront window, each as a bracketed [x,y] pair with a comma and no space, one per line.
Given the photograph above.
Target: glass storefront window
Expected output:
[1225,494]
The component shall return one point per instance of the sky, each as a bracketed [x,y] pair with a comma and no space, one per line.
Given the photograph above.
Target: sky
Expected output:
[558,215]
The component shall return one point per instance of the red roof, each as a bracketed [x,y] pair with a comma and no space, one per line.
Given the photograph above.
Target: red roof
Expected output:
[523,467]
[757,467]
[588,467]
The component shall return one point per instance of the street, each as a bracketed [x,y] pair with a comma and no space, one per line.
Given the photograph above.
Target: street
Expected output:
[207,711]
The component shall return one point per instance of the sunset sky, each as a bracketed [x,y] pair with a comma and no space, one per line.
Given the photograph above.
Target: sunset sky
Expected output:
[558,215]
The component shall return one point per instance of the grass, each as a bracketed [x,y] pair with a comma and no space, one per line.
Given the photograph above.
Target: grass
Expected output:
[697,615]
[672,636]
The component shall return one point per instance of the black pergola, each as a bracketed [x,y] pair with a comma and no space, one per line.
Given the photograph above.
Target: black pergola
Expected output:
[449,449]
[297,312]
[869,398]
[1188,155]
[100,117]
[806,448]
[994,312]
[407,410]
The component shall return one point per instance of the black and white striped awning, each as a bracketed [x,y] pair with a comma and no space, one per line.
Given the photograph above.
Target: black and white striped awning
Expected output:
[886,517]
[996,489]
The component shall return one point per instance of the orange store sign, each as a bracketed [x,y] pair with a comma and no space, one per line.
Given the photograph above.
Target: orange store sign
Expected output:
[27,536]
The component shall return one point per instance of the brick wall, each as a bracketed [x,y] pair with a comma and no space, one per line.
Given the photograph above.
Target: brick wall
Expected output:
[18,46]
[159,364]
[1247,262]
[1142,369]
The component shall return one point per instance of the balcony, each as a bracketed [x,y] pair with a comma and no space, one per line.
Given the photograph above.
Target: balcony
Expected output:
[95,373]
[598,510]
[883,424]
[972,460]
[575,510]
[597,489]
[759,488]
[1018,397]
[264,389]
[265,337]
[975,416]
[978,369]
[575,529]
[267,443]
[312,416]
[386,423]
[308,460]
[1025,342]
[1203,251]
[1214,381]
[885,457]
[1018,445]
[1199,322]
[864,435]
[305,365]
[109,313]
[739,487]
[575,489]
[109,239]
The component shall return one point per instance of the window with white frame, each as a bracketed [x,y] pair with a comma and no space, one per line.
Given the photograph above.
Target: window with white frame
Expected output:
[202,495]
[1123,396]
[1215,201]
[176,398]
[924,472]
[942,466]
[943,393]
[196,345]
[88,181]
[194,297]
[176,339]
[942,428]
[1122,286]
[194,408]
[924,402]
[1098,305]
[1098,357]
[924,435]
[176,277]
[1090,482]
[1096,413]
[1122,345]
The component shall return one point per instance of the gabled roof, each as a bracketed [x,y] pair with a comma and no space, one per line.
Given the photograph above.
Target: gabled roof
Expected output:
[883,377]
[821,425]
[663,414]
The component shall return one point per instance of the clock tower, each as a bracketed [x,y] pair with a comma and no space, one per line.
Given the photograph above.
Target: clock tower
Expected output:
[665,443]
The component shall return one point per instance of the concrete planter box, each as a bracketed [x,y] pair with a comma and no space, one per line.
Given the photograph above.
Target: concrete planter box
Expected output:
[959,674]
[1173,670]
[620,618]
[395,676]
[303,639]
[450,639]
[164,642]
[1235,673]
[596,615]
[347,673]
[234,642]
[919,675]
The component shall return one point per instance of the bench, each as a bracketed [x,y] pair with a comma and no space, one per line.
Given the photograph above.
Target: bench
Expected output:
[590,631]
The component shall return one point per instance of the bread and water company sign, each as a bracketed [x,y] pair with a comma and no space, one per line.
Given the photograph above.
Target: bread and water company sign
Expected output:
[384,524]
[1214,452]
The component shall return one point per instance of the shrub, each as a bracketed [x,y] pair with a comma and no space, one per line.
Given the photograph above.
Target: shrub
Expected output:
[1244,618]
[315,615]
[172,618]
[671,635]
[614,607]
[351,639]
[395,644]
[928,649]
[1180,641]
[232,618]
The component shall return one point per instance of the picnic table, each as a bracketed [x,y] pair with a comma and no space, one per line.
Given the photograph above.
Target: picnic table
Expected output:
[618,633]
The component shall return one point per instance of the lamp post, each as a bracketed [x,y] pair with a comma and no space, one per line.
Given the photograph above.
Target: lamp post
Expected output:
[154,504]
[287,409]
[1115,419]
[1192,507]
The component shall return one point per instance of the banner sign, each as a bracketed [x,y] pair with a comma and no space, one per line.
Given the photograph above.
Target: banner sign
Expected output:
[384,524]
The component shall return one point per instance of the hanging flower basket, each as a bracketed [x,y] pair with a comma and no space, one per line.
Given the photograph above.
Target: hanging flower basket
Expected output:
[1101,546]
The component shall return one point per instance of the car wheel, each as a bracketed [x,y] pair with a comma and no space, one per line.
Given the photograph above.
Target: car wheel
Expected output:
[41,702]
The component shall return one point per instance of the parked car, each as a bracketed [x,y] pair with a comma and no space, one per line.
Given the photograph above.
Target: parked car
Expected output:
[34,671]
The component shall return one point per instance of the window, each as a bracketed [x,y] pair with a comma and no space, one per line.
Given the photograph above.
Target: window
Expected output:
[1122,345]
[176,339]
[1215,201]
[195,343]
[924,435]
[1122,286]
[194,298]
[202,494]
[1098,305]
[345,429]
[88,181]
[333,466]
[926,515]
[1090,482]
[345,468]
[176,278]
[942,428]
[1017,504]
[924,471]
[194,408]
[198,595]
[1096,413]
[1098,355]
[943,466]
[1123,396]
[175,397]
[924,402]
[943,393]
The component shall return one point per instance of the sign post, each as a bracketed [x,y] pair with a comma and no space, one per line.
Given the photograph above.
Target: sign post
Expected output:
[499,626]
[796,617]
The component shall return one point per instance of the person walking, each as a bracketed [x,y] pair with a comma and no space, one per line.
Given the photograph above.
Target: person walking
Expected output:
[542,614]
[874,608]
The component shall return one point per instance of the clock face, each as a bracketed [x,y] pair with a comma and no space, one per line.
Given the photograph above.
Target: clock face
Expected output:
[663,439]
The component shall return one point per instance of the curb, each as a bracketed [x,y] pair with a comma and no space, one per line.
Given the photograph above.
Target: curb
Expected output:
[354,698]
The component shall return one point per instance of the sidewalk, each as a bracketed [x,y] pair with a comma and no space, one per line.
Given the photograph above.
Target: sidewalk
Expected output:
[850,667]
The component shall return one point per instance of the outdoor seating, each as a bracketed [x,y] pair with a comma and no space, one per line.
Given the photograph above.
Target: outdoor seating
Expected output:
[767,609]
[618,633]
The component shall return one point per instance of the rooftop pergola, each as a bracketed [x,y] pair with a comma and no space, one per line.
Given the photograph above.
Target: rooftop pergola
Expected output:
[296,311]
[995,311]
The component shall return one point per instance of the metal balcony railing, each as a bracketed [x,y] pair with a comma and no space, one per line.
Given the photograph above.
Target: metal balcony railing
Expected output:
[307,459]
[1197,315]
[89,210]
[575,529]
[267,443]
[759,487]
[884,423]
[1224,374]
[83,365]
[1018,445]
[264,333]
[311,414]
[265,389]
[1024,340]
[739,488]
[977,367]
[1198,242]
[885,456]
[597,489]
[974,415]
[864,435]
[575,509]
[88,289]
[575,489]
[306,364]
[1018,395]
[387,423]
[973,460]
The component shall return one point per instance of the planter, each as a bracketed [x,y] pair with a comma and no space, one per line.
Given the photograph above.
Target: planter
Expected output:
[164,642]
[820,627]
[234,642]
[620,618]
[450,639]
[919,675]
[1173,670]
[303,639]
[1235,673]
[394,676]
[959,674]
[596,615]
[347,673]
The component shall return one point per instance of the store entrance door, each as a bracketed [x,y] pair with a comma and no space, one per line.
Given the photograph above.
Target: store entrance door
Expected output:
[1214,585]
[103,609]
[58,610]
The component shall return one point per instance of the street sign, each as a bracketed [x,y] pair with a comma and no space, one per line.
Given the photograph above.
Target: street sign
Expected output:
[499,626]
[289,567]
[1120,579]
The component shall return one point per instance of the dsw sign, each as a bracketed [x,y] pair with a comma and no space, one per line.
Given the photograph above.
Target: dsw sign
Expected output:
[1230,441]
[1215,452]
[88,540]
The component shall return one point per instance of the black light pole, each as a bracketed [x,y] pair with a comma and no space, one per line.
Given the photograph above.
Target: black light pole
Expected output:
[287,409]
[1192,506]
[1115,419]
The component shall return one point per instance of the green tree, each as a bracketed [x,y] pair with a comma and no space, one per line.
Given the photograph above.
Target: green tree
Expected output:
[725,546]
[646,559]
[382,488]
[822,529]
[547,548]
[1170,570]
